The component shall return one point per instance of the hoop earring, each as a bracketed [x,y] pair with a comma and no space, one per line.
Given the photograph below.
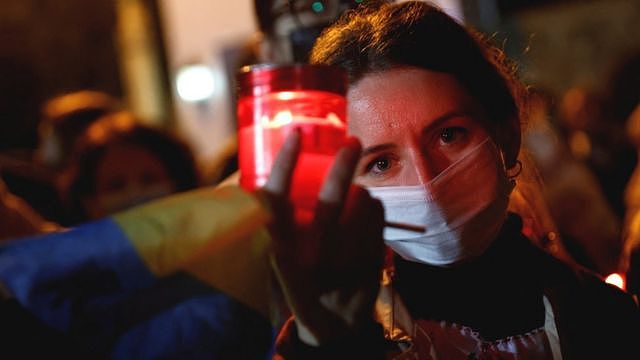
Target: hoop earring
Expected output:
[511,173]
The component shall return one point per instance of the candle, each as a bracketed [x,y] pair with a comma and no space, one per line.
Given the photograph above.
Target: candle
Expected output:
[307,99]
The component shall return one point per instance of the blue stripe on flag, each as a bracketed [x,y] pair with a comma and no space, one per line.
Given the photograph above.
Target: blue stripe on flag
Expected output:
[56,275]
[208,325]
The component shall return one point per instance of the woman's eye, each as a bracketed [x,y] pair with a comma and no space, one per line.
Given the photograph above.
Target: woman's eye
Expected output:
[379,165]
[452,134]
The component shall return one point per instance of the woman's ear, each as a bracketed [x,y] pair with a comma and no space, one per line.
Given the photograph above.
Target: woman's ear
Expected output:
[514,171]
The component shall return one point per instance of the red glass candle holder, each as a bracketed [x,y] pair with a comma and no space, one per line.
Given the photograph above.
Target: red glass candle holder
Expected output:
[274,100]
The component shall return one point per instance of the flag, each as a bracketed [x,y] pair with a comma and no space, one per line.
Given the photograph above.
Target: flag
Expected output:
[183,277]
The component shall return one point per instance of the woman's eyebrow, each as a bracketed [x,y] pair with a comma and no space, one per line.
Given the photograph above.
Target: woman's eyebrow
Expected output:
[446,117]
[377,148]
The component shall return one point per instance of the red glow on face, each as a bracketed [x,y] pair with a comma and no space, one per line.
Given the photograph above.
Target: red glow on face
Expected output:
[617,280]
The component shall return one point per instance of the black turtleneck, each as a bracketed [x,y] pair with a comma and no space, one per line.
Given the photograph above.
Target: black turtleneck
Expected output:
[497,295]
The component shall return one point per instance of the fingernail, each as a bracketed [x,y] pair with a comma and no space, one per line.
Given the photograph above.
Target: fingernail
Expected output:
[293,136]
[296,131]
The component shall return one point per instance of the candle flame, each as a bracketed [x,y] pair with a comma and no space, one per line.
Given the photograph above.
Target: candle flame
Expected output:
[285,117]
[285,95]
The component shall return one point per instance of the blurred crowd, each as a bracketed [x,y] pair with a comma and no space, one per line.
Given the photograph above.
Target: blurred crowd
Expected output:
[584,146]
[99,158]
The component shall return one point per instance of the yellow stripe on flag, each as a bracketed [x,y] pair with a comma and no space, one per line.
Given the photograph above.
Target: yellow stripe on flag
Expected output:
[217,234]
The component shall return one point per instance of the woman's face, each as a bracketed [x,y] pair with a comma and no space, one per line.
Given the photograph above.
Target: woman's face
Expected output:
[128,175]
[413,124]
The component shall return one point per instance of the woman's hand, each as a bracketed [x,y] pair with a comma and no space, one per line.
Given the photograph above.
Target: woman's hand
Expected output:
[330,269]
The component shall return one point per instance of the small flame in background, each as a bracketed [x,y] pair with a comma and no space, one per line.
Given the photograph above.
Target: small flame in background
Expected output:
[617,280]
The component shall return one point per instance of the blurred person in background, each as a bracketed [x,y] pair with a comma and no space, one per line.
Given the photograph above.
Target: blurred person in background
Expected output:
[594,123]
[63,119]
[579,110]
[602,132]
[621,98]
[589,229]
[119,163]
[622,106]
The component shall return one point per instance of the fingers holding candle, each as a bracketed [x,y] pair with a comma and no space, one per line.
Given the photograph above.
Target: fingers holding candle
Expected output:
[341,173]
[279,180]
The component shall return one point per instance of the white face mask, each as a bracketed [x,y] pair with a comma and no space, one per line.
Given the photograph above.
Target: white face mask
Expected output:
[462,209]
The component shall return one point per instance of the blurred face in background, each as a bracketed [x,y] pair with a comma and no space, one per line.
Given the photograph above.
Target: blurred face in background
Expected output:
[127,175]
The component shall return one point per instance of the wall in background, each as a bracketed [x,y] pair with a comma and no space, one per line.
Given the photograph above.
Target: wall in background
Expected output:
[48,47]
[205,32]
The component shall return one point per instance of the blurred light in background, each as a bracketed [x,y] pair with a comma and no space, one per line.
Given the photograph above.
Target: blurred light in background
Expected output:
[317,6]
[195,83]
[140,61]
[617,280]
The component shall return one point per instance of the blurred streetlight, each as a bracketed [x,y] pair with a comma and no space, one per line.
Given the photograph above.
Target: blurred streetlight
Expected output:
[195,83]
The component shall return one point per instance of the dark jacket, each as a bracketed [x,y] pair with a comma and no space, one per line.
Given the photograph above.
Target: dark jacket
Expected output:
[500,295]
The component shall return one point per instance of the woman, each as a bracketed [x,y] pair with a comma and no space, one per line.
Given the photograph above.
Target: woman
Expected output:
[437,119]
[119,163]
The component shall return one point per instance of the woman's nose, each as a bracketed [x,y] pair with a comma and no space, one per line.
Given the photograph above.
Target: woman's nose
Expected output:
[419,170]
